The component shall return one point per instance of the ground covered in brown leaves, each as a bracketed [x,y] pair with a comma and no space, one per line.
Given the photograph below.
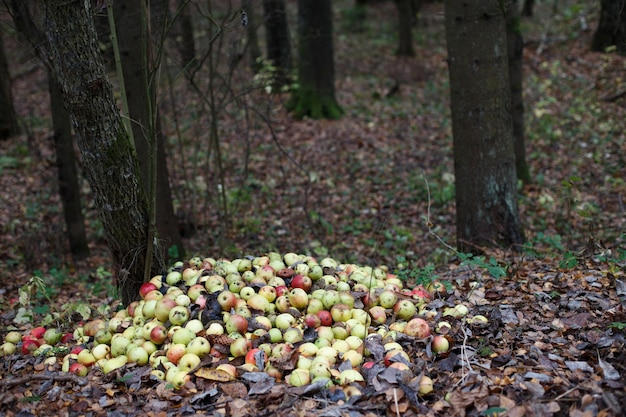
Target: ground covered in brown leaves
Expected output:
[376,187]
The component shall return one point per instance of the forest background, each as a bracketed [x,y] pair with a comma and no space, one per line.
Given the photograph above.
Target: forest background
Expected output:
[374,187]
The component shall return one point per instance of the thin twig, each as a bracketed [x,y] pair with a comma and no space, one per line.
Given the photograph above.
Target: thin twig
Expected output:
[64,377]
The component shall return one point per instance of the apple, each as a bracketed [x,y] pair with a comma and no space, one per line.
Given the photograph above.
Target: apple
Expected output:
[350,375]
[199,346]
[215,329]
[405,309]
[417,327]
[355,358]
[78,369]
[175,352]
[86,357]
[330,298]
[227,300]
[282,304]
[51,336]
[13,337]
[229,369]
[38,332]
[293,335]
[195,325]
[236,324]
[326,318]
[246,293]
[148,308]
[118,346]
[268,292]
[179,379]
[301,281]
[359,330]
[196,291]
[101,351]
[378,314]
[114,363]
[340,332]
[158,334]
[390,356]
[276,335]
[299,377]
[298,298]
[314,306]
[188,362]
[319,369]
[284,321]
[340,313]
[281,289]
[173,278]
[183,336]
[259,302]
[145,288]
[304,362]
[425,385]
[29,346]
[281,350]
[387,299]
[346,298]
[138,355]
[179,315]
[163,308]
[312,320]
[255,356]
[266,272]
[440,344]
[240,347]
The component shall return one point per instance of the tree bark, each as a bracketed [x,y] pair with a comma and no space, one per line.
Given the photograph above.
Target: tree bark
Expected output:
[611,29]
[9,125]
[515,45]
[484,157]
[277,40]
[69,189]
[141,98]
[315,95]
[187,46]
[109,162]
[405,21]
[254,49]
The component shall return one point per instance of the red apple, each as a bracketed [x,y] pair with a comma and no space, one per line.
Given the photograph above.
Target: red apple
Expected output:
[175,352]
[312,320]
[326,318]
[440,344]
[301,281]
[38,332]
[29,346]
[158,334]
[145,288]
[256,357]
[79,369]
[298,298]
[281,290]
[236,324]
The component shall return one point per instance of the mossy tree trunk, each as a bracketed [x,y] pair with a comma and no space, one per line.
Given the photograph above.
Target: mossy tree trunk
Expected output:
[69,188]
[515,44]
[484,157]
[611,30]
[9,125]
[277,40]
[315,95]
[109,161]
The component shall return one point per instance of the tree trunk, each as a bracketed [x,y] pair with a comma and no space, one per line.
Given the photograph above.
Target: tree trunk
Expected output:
[405,21]
[277,39]
[611,29]
[144,115]
[9,125]
[108,158]
[253,39]
[515,45]
[315,95]
[527,9]
[484,157]
[69,189]
[187,45]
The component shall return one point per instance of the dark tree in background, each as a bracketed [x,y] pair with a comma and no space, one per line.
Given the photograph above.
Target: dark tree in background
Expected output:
[406,16]
[67,173]
[109,162]
[527,9]
[315,94]
[277,40]
[186,42]
[611,29]
[137,66]
[484,157]
[254,50]
[515,46]
[9,125]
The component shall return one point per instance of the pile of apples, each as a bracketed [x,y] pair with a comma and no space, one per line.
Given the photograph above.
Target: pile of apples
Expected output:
[252,314]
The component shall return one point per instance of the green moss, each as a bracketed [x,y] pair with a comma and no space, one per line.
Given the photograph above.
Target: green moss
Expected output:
[308,102]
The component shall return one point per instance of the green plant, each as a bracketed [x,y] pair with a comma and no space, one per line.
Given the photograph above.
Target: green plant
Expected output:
[492,266]
[618,325]
[418,276]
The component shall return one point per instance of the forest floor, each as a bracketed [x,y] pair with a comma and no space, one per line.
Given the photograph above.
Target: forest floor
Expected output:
[376,187]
